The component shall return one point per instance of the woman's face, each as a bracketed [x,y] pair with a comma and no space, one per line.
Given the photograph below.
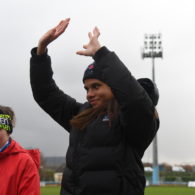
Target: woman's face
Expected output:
[98,92]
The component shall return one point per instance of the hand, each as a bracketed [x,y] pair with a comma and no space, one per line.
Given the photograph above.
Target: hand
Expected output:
[93,45]
[51,35]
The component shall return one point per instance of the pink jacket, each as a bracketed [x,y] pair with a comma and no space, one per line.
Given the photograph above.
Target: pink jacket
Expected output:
[19,171]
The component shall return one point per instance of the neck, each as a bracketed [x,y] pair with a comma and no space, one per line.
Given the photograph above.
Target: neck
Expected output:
[3,140]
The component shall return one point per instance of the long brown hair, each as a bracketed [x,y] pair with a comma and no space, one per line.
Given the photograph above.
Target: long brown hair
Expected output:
[81,120]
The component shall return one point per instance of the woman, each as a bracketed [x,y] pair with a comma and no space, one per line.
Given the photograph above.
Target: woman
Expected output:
[110,132]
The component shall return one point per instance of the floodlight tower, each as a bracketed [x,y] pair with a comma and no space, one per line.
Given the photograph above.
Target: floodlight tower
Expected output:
[153,49]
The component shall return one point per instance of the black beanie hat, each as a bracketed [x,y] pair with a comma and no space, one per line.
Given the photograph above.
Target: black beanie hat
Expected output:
[93,72]
[150,88]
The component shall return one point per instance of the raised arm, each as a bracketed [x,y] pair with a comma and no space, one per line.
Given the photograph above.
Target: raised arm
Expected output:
[125,87]
[52,100]
[93,46]
[51,35]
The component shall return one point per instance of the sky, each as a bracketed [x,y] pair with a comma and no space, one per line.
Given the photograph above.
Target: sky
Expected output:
[123,24]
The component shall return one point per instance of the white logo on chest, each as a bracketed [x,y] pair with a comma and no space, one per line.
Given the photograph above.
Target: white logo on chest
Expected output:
[105,118]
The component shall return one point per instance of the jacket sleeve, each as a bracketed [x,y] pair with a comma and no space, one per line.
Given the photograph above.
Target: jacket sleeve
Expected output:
[137,109]
[29,180]
[51,99]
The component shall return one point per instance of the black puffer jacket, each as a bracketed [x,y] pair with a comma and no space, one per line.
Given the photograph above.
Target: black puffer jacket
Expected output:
[101,160]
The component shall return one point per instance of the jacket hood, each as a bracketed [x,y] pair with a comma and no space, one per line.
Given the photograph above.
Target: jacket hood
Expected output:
[15,148]
[151,89]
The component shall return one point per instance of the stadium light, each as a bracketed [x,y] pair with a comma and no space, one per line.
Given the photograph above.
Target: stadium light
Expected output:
[153,49]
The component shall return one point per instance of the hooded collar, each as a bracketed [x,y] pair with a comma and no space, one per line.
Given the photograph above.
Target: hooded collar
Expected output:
[15,148]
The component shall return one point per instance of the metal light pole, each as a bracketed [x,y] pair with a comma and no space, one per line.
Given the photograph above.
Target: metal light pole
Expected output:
[153,49]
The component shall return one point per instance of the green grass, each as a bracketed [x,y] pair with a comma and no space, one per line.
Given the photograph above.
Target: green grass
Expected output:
[50,190]
[162,190]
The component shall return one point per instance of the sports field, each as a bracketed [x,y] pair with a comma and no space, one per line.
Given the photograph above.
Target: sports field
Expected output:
[169,191]
[148,191]
[50,190]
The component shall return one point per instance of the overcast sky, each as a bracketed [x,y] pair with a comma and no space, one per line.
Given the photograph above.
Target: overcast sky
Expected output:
[123,24]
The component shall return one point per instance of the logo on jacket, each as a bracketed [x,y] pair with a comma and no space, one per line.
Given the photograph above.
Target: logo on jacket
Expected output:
[105,118]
